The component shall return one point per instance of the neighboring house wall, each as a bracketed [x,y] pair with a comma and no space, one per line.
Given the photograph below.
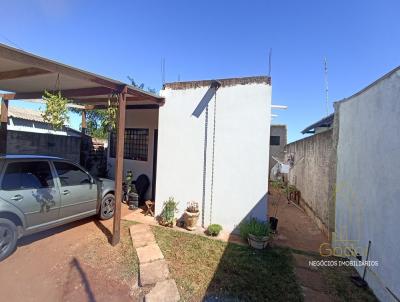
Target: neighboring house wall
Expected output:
[144,119]
[241,152]
[19,124]
[313,175]
[19,142]
[277,151]
[368,173]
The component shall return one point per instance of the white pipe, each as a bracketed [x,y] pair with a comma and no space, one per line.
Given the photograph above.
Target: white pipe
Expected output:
[284,107]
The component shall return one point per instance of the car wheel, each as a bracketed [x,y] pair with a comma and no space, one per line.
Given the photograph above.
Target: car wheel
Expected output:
[107,207]
[8,238]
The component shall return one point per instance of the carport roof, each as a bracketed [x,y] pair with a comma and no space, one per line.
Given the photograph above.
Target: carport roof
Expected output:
[26,76]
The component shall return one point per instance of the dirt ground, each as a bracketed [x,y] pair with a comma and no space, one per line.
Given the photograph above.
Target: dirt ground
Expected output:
[70,263]
[295,229]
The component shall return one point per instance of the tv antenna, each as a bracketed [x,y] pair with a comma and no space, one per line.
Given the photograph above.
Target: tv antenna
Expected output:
[326,86]
[163,70]
[269,62]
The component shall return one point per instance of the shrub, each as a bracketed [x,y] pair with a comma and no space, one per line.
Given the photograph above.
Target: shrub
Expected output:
[214,229]
[255,227]
[167,215]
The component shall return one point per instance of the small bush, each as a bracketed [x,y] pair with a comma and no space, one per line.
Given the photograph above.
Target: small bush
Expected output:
[255,227]
[214,229]
[167,216]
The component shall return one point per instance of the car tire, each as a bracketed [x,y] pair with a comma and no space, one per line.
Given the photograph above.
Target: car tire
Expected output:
[8,238]
[107,207]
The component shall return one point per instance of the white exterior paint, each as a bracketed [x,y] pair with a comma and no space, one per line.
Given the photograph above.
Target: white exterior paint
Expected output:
[37,127]
[368,176]
[140,118]
[241,152]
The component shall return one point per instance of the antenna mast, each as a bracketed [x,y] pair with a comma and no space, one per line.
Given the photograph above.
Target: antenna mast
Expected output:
[269,62]
[326,86]
[163,71]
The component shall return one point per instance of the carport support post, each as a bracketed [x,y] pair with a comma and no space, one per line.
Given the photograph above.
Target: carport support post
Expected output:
[3,128]
[119,165]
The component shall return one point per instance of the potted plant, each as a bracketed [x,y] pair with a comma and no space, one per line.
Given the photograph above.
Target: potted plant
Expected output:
[191,215]
[214,230]
[256,232]
[167,216]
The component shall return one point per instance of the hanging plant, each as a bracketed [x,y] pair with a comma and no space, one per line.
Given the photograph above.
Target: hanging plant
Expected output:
[56,112]
[111,113]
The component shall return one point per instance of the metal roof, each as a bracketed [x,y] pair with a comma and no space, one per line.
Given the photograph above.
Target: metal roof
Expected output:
[25,114]
[325,122]
[26,76]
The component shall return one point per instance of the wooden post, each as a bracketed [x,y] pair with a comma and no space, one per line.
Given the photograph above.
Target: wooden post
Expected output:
[84,126]
[3,128]
[84,146]
[119,165]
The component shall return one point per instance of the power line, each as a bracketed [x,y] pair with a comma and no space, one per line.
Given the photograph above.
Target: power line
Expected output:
[10,41]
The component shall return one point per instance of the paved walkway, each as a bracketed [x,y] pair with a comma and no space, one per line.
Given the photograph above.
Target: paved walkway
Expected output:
[297,231]
[137,215]
[153,269]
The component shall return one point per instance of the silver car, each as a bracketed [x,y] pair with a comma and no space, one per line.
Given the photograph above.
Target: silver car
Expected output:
[42,192]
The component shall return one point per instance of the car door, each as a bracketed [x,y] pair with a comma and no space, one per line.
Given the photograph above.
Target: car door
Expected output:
[78,190]
[29,186]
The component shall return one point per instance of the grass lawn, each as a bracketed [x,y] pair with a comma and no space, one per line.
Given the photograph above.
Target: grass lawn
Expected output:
[210,268]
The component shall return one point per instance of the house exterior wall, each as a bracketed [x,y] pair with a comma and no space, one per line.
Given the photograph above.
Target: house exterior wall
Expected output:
[314,166]
[368,173]
[20,142]
[275,150]
[241,152]
[139,118]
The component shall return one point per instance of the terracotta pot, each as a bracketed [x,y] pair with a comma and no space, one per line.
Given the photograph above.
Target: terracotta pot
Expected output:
[258,243]
[191,220]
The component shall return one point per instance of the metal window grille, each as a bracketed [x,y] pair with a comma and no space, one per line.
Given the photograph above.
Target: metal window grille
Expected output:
[136,144]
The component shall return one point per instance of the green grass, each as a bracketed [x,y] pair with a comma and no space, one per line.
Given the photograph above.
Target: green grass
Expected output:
[210,268]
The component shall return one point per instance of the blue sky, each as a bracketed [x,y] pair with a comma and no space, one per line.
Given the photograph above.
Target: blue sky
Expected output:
[217,39]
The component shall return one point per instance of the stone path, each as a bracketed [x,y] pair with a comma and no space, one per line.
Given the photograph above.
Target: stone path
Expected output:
[153,269]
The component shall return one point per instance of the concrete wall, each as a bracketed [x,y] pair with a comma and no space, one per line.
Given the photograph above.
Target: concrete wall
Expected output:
[241,152]
[139,118]
[314,166]
[19,142]
[368,174]
[275,150]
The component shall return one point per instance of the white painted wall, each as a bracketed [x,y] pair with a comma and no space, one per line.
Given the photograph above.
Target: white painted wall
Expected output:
[368,180]
[139,118]
[241,152]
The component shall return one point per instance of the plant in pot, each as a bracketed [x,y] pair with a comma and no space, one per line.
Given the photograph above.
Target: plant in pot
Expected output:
[214,230]
[167,216]
[191,215]
[256,232]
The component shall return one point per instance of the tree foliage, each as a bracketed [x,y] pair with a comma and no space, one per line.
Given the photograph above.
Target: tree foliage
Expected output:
[56,112]
[101,121]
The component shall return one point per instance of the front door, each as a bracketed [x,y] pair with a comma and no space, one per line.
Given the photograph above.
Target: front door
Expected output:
[30,186]
[78,191]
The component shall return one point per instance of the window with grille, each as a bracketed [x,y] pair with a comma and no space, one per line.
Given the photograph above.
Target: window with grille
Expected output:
[274,140]
[136,144]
